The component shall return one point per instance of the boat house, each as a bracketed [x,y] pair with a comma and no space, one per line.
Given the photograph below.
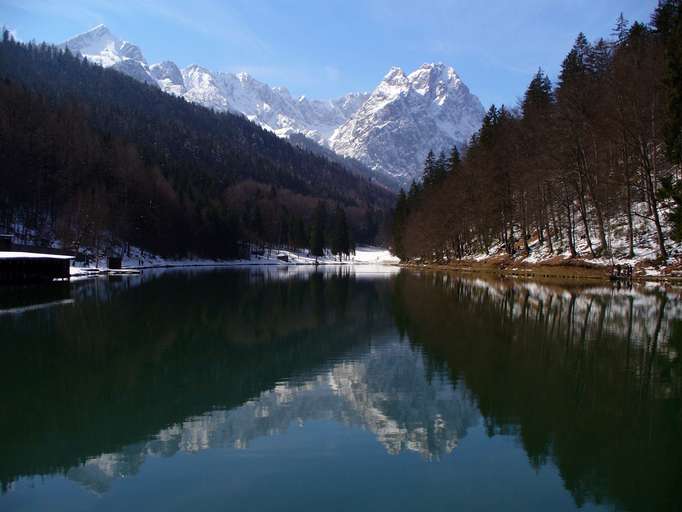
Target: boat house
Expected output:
[28,264]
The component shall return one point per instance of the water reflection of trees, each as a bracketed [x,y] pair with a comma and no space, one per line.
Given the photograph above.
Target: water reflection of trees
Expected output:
[589,378]
[131,360]
[586,377]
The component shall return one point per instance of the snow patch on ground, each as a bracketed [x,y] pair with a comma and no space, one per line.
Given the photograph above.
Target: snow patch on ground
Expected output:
[19,254]
[645,245]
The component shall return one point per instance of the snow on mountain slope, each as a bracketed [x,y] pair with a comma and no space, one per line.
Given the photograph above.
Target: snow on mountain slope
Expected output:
[169,77]
[389,130]
[405,116]
[272,107]
[100,46]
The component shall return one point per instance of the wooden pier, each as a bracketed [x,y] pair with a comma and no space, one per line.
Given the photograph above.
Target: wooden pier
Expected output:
[621,273]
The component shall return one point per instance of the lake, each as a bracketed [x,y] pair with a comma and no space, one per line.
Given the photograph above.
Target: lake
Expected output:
[340,389]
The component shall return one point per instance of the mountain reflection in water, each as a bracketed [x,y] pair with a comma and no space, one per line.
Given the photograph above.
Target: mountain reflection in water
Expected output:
[385,391]
[584,379]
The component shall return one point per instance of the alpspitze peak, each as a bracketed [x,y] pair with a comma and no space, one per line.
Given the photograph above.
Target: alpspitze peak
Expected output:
[101,27]
[98,32]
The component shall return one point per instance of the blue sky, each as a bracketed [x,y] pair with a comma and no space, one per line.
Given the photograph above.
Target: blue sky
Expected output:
[325,48]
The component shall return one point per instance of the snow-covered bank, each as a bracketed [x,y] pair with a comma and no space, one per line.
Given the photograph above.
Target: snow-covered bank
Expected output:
[644,260]
[366,256]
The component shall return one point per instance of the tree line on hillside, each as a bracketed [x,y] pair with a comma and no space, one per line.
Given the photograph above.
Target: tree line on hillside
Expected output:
[599,148]
[95,159]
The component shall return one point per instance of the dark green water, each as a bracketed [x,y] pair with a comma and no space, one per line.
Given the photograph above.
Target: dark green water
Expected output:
[270,390]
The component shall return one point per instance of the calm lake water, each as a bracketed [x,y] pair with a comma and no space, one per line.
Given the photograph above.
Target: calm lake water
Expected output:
[265,389]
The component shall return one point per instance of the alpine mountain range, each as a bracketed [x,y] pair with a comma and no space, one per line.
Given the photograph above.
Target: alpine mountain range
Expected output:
[389,130]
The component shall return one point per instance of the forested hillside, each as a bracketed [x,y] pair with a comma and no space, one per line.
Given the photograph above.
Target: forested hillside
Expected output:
[94,158]
[586,168]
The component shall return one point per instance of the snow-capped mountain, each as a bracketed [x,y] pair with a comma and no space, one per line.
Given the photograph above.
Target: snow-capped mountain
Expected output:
[100,46]
[272,107]
[389,130]
[405,116]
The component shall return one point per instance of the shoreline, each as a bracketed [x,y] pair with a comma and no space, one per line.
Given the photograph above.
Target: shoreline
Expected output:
[574,270]
[571,269]
[83,272]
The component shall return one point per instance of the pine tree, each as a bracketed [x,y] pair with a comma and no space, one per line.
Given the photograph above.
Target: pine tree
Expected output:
[317,238]
[340,240]
[414,194]
[454,161]
[620,30]
[440,169]
[575,64]
[400,216]
[490,120]
[298,237]
[429,168]
[599,57]
[674,192]
[538,97]
[667,20]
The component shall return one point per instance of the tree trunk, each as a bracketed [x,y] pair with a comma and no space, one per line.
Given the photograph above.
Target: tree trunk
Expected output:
[569,229]
[583,214]
[648,172]
[657,220]
[628,209]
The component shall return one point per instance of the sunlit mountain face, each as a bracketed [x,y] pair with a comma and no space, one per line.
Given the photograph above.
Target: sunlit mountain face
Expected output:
[328,384]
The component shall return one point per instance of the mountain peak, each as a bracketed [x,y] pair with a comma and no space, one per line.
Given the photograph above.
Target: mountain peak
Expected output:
[434,65]
[405,116]
[99,28]
[434,79]
[437,70]
[243,76]
[97,33]
[101,46]
[168,70]
[395,73]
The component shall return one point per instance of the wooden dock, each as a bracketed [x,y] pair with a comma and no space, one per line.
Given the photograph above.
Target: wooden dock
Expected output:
[621,273]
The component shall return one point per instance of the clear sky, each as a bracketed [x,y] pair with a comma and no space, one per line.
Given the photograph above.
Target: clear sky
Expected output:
[325,48]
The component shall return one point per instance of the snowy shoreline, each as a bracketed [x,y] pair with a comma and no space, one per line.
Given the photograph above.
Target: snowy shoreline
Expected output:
[572,268]
[283,258]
